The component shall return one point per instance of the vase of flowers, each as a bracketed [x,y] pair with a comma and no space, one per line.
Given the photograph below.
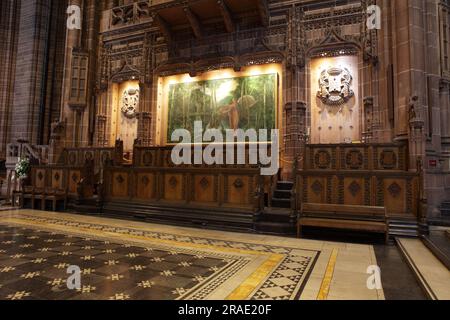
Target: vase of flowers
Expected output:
[22,170]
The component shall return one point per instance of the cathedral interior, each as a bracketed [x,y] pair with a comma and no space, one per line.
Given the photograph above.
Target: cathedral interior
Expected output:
[94,94]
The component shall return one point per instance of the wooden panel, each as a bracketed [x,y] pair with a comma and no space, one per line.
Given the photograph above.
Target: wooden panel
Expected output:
[73,157]
[397,191]
[356,157]
[353,158]
[145,186]
[40,178]
[173,187]
[120,184]
[73,180]
[204,188]
[316,190]
[57,179]
[238,188]
[395,195]
[354,191]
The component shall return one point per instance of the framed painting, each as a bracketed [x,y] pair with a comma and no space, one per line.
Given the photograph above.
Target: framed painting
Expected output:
[245,103]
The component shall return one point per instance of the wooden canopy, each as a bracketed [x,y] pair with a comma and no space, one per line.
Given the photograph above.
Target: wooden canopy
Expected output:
[174,15]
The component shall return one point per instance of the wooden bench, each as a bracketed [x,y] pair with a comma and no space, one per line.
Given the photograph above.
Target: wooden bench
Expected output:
[43,195]
[354,218]
[55,196]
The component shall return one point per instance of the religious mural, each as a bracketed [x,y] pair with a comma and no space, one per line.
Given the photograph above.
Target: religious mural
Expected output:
[233,103]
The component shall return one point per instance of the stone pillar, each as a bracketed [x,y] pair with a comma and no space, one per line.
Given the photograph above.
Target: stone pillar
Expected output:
[8,32]
[73,41]
[145,113]
[383,116]
[368,120]
[417,136]
[29,80]
[92,44]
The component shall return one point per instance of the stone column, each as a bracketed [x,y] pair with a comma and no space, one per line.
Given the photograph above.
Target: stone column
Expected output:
[144,116]
[9,24]
[73,41]
[31,56]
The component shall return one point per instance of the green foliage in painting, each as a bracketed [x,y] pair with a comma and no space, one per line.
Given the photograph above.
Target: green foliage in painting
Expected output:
[236,103]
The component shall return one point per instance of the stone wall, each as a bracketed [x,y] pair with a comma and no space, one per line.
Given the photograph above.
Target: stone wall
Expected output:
[403,70]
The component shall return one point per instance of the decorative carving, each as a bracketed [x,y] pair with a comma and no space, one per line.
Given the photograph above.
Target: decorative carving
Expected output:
[367,191]
[317,187]
[120,179]
[354,188]
[72,158]
[40,175]
[394,189]
[75,177]
[354,159]
[147,159]
[322,159]
[335,85]
[145,181]
[130,13]
[368,111]
[238,184]
[106,158]
[173,182]
[130,102]
[57,176]
[388,159]
[204,183]
[89,156]
[57,130]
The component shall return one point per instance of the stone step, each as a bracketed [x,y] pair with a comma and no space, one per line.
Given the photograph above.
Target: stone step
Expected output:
[403,233]
[285,185]
[282,194]
[226,219]
[439,244]
[277,215]
[403,228]
[428,270]
[281,203]
[275,228]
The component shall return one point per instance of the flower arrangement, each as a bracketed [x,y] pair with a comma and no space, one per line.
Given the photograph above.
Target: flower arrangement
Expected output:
[23,168]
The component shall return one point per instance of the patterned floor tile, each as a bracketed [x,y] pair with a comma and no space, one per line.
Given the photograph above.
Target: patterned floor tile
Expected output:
[128,264]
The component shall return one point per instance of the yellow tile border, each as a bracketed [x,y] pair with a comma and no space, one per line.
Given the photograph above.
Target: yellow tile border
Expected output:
[242,292]
[250,284]
[326,282]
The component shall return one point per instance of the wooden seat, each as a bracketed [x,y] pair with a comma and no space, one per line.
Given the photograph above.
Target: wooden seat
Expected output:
[55,195]
[354,218]
[36,194]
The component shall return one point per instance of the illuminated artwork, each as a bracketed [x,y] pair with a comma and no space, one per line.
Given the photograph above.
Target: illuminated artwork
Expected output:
[334,84]
[335,100]
[130,102]
[233,103]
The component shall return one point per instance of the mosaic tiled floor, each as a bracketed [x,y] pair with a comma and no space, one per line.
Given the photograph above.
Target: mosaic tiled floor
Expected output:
[118,262]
